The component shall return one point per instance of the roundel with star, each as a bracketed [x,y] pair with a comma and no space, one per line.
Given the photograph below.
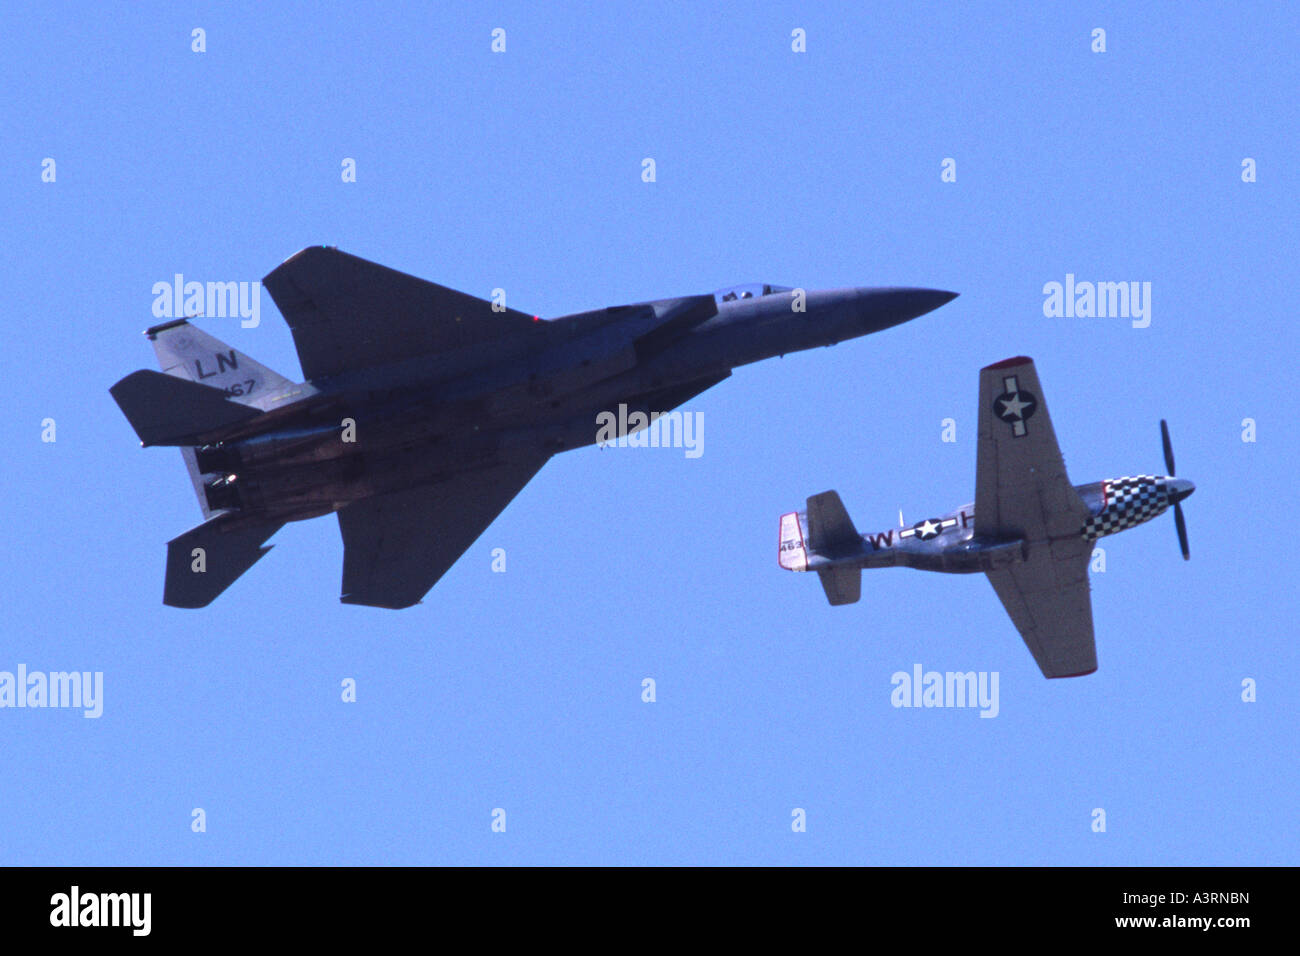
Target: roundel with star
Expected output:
[927,529]
[1015,406]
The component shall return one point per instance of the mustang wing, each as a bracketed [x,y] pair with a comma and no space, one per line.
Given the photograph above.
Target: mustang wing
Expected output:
[1048,598]
[1021,488]
[396,546]
[1022,491]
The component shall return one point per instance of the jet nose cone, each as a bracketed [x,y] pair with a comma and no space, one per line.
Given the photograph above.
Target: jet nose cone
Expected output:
[886,307]
[1179,488]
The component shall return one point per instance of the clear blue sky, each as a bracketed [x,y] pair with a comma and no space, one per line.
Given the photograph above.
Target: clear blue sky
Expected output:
[522,690]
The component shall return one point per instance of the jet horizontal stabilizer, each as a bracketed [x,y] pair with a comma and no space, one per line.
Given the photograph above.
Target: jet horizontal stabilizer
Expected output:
[167,410]
[206,560]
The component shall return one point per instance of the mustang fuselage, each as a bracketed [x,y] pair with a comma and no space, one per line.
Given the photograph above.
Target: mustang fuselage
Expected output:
[948,543]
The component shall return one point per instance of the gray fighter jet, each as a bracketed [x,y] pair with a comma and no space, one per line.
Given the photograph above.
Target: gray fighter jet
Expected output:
[1029,529]
[426,410]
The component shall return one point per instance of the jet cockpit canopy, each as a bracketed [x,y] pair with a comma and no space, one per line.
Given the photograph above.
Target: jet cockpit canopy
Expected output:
[751,290]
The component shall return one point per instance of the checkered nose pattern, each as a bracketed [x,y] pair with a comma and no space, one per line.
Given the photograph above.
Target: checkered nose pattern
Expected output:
[1127,502]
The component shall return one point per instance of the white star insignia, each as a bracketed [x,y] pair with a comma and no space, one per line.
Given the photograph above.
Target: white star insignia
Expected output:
[1014,406]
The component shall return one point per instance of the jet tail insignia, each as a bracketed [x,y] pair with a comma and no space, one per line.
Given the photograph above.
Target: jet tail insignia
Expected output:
[186,351]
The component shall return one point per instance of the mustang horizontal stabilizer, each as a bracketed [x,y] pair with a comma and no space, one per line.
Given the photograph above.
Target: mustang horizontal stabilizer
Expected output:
[166,410]
[842,584]
[396,546]
[206,560]
[831,533]
[830,530]
[347,313]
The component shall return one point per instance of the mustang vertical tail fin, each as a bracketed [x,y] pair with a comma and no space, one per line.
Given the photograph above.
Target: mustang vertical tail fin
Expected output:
[206,560]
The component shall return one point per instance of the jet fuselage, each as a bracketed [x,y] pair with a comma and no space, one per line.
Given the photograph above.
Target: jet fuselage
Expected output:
[419,422]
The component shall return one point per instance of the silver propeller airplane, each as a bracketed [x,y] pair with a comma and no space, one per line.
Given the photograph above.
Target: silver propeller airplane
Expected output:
[1029,529]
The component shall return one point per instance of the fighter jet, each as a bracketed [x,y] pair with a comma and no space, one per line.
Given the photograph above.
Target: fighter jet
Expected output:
[426,410]
[1028,529]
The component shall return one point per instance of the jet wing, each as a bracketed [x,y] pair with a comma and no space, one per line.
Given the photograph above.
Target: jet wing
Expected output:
[666,399]
[1021,488]
[347,314]
[1048,600]
[396,546]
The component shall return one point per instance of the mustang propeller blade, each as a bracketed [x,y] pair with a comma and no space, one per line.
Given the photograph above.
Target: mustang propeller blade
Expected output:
[1182,531]
[1179,523]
